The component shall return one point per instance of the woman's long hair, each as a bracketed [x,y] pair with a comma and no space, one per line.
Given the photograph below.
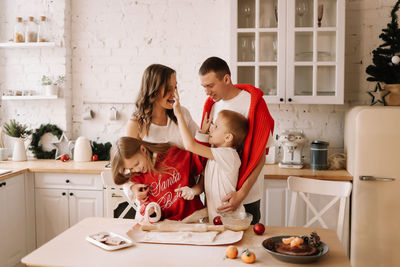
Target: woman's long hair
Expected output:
[155,78]
[125,148]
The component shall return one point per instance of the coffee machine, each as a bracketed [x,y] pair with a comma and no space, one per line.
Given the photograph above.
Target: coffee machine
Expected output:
[292,144]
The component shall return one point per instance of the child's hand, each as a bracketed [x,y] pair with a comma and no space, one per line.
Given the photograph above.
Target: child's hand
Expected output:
[177,104]
[186,192]
[205,126]
[141,192]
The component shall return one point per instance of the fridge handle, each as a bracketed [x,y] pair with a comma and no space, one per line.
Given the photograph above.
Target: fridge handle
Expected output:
[372,178]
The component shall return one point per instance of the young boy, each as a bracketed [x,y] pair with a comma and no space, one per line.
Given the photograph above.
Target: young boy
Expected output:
[226,136]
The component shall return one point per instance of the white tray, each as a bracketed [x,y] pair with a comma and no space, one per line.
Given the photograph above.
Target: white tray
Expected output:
[223,238]
[127,243]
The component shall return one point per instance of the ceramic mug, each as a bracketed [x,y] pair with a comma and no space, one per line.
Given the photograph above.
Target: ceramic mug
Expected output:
[3,153]
[113,114]
[88,115]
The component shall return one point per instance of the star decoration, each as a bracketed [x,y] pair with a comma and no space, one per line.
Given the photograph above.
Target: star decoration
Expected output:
[62,146]
[378,95]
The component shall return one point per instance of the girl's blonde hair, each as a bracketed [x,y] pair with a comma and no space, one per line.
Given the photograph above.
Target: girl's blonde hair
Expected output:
[125,148]
[154,79]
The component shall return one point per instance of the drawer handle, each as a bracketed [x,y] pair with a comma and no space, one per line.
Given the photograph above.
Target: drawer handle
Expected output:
[63,193]
[115,195]
[67,181]
[372,178]
[71,194]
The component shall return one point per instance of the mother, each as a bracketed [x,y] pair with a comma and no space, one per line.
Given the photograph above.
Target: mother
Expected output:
[154,120]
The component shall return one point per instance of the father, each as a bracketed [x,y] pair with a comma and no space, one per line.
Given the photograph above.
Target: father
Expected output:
[215,77]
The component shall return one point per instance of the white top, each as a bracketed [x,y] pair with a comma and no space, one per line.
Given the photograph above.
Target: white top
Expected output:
[220,178]
[241,104]
[170,133]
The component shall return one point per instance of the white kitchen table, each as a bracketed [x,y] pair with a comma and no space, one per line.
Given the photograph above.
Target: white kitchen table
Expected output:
[70,248]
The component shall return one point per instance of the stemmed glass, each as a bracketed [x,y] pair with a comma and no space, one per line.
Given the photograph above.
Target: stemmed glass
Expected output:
[244,46]
[301,10]
[247,13]
[320,13]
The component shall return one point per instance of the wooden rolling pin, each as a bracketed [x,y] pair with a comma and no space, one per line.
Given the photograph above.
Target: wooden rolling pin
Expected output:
[182,227]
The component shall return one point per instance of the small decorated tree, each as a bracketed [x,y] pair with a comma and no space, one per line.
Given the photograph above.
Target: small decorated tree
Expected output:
[386,67]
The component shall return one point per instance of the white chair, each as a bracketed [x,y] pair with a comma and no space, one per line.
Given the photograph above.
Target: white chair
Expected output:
[114,195]
[340,190]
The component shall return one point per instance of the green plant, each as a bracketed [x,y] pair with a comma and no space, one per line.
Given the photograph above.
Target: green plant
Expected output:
[46,80]
[101,150]
[15,129]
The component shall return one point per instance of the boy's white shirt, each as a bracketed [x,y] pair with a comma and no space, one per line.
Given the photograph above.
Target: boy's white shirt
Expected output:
[220,178]
[241,104]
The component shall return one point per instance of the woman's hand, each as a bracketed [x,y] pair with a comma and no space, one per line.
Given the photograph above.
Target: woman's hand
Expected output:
[186,192]
[141,192]
[177,104]
[205,126]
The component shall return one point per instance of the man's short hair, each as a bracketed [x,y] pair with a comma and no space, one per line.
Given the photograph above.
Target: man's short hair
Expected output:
[215,64]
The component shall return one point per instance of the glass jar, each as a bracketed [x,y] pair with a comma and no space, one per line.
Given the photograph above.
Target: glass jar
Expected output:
[19,31]
[43,34]
[31,31]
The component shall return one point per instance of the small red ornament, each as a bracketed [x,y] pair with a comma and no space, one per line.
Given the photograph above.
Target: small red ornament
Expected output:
[217,220]
[64,158]
[259,228]
[95,157]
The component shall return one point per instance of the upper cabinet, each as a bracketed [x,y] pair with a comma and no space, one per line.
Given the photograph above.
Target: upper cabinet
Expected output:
[293,50]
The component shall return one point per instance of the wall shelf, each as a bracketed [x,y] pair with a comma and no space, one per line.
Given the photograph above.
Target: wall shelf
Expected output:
[27,45]
[29,97]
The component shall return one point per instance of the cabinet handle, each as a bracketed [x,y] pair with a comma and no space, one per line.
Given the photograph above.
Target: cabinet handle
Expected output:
[4,183]
[281,99]
[67,181]
[372,178]
[63,193]
[71,194]
[290,100]
[1,184]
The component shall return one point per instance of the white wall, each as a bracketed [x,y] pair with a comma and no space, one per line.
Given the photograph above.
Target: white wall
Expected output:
[108,44]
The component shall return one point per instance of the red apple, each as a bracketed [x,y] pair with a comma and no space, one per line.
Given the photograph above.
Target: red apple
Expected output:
[217,220]
[259,228]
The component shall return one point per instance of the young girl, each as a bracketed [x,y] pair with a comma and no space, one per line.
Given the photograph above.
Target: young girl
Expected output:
[221,173]
[160,173]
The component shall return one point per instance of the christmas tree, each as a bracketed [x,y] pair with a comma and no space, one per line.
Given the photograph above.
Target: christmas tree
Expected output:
[386,67]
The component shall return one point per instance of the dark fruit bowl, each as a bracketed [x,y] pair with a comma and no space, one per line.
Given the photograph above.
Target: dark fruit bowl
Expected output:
[292,258]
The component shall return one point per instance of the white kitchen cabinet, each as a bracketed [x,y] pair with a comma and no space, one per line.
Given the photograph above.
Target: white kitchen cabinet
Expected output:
[13,220]
[63,200]
[280,47]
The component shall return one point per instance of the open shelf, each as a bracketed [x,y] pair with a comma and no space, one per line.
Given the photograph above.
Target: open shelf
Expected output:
[27,45]
[28,97]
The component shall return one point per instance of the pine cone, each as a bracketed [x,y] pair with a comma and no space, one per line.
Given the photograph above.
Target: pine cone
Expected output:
[315,240]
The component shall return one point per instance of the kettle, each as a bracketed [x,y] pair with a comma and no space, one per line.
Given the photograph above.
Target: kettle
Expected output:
[82,149]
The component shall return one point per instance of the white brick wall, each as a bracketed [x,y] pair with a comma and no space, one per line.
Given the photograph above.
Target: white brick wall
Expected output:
[108,44]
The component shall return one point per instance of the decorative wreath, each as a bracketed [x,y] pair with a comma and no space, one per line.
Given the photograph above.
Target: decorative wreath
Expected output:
[36,149]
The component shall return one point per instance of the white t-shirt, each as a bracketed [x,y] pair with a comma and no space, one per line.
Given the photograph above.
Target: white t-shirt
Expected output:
[241,104]
[170,133]
[220,178]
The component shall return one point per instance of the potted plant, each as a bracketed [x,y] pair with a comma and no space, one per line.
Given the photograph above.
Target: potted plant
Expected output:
[51,86]
[386,60]
[19,133]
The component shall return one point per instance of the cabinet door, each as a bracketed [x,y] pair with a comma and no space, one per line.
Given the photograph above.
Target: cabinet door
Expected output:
[51,213]
[275,202]
[13,213]
[315,51]
[84,204]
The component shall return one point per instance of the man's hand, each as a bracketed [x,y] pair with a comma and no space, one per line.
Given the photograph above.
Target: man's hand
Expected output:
[141,192]
[234,199]
[205,126]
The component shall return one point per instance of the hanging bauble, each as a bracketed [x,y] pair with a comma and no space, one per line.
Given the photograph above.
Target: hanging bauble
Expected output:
[395,60]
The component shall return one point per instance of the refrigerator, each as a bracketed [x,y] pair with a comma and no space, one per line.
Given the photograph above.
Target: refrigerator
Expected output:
[372,144]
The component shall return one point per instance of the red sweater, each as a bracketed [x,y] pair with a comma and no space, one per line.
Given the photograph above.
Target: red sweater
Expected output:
[261,125]
[180,168]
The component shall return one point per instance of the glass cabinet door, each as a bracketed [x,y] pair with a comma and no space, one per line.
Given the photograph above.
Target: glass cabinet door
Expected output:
[315,51]
[260,46]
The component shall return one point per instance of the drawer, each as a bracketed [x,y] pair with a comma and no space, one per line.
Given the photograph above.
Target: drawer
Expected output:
[68,181]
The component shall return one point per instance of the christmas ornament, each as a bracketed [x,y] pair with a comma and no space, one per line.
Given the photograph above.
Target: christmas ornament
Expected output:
[37,149]
[62,146]
[377,96]
[396,60]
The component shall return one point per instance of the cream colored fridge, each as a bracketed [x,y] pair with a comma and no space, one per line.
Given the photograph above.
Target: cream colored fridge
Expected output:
[372,144]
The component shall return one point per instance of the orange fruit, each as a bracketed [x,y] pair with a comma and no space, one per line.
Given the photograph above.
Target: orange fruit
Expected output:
[231,252]
[248,256]
[287,241]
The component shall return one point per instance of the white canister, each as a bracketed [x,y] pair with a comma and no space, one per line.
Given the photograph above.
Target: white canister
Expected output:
[82,149]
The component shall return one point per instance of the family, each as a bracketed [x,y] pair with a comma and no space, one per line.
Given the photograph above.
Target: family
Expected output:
[168,159]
